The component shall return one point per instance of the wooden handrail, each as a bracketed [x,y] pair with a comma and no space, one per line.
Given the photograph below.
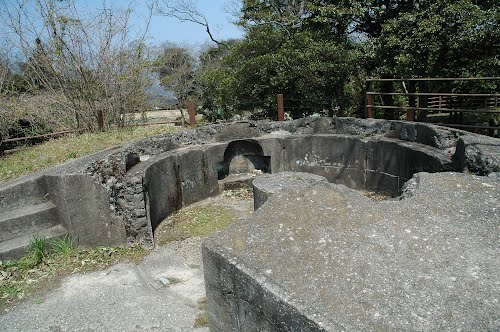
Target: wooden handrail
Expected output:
[17,139]
[435,109]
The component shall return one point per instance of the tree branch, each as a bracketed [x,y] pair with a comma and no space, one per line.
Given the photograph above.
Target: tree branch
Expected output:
[186,11]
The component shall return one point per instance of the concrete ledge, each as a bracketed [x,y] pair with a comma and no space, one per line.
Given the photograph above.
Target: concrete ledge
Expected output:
[269,184]
[27,220]
[326,258]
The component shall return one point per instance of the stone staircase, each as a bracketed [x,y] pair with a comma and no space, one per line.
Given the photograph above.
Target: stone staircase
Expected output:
[26,212]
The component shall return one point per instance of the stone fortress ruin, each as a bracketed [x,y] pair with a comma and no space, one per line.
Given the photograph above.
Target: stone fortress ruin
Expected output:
[318,256]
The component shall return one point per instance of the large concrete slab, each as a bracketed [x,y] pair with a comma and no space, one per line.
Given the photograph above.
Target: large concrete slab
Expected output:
[326,258]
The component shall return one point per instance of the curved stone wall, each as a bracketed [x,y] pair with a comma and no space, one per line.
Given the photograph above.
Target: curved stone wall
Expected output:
[371,155]
[121,195]
[181,177]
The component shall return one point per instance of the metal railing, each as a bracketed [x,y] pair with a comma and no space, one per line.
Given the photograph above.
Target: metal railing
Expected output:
[418,98]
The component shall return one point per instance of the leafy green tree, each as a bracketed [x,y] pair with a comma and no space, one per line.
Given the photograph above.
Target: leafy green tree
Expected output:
[283,53]
[323,50]
[441,39]
[176,66]
[437,39]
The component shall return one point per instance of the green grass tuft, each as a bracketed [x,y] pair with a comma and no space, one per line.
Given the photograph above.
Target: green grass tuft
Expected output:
[38,250]
[64,246]
[201,320]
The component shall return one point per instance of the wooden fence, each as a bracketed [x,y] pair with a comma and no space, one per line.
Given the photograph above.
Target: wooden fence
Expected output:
[417,100]
[7,142]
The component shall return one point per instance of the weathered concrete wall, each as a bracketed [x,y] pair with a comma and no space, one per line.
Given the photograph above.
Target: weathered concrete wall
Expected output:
[145,181]
[428,262]
[184,176]
[287,144]
[239,299]
[83,208]
[381,165]
[390,163]
[339,158]
[180,178]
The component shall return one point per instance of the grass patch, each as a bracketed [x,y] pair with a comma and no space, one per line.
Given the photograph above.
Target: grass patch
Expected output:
[201,319]
[38,250]
[25,277]
[195,221]
[64,246]
[174,280]
[59,150]
[241,193]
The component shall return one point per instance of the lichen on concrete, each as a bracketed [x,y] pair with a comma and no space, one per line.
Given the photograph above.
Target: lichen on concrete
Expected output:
[326,258]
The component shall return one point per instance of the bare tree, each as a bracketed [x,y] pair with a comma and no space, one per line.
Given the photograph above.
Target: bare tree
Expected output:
[4,71]
[186,11]
[86,60]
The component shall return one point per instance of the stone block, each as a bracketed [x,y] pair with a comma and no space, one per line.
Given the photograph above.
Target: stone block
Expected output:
[326,258]
[267,185]
[84,210]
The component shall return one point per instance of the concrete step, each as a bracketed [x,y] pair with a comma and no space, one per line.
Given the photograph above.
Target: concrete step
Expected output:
[27,190]
[16,248]
[236,181]
[27,220]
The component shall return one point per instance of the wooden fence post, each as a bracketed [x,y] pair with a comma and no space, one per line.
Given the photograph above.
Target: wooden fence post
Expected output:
[369,109]
[423,101]
[281,107]
[100,120]
[369,100]
[192,113]
[2,146]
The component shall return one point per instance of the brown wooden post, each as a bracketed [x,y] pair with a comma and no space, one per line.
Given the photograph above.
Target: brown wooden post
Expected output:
[281,107]
[369,109]
[100,120]
[369,100]
[192,113]
[2,146]
[423,101]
